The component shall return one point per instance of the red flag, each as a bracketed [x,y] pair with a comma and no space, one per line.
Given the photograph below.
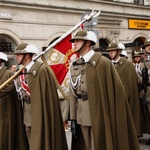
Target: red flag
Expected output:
[59,59]
[81,26]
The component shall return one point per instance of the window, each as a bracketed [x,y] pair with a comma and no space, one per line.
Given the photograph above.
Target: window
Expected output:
[5,44]
[139,2]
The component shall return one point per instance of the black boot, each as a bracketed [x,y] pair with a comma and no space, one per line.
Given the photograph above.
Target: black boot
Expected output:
[148,142]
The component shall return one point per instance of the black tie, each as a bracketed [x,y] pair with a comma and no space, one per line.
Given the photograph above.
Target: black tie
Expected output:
[115,63]
[82,60]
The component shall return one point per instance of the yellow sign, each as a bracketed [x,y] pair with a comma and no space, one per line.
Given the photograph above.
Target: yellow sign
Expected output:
[139,24]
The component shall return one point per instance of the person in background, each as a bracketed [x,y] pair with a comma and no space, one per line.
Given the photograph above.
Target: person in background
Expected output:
[128,76]
[137,61]
[143,55]
[12,130]
[41,108]
[145,73]
[99,111]
[13,68]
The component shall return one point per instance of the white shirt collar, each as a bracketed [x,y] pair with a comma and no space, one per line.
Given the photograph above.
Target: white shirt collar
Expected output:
[116,60]
[29,65]
[88,55]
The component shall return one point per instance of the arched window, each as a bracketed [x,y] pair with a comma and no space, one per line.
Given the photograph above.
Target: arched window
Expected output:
[103,44]
[7,46]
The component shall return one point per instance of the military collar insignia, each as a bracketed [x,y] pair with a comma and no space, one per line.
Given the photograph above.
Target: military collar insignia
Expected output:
[120,63]
[35,68]
[94,63]
[34,73]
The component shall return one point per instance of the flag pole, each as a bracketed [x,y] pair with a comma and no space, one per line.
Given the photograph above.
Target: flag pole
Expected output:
[93,14]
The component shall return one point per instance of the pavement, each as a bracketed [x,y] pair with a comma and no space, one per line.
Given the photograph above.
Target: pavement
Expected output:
[142,141]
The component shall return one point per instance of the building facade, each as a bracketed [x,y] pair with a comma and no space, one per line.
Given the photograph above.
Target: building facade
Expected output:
[41,22]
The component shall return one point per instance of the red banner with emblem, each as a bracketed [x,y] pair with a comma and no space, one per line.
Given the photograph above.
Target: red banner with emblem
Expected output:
[59,59]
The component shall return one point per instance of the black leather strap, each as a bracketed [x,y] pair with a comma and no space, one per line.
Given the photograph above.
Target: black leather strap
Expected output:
[84,97]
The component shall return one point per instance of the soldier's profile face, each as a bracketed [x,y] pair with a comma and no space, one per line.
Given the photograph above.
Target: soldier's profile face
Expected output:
[147,48]
[137,59]
[19,58]
[112,53]
[77,44]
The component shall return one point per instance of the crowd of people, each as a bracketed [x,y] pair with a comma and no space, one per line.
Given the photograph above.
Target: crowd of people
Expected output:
[108,106]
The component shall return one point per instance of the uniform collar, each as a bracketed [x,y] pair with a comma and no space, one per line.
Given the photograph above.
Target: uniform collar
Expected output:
[116,60]
[28,67]
[88,55]
[121,61]
[94,60]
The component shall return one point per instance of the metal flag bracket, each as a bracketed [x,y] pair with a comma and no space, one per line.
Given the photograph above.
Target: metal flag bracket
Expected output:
[93,14]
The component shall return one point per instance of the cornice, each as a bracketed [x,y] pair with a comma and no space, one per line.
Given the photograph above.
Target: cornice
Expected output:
[70,4]
[117,3]
[116,9]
